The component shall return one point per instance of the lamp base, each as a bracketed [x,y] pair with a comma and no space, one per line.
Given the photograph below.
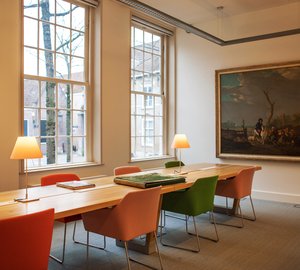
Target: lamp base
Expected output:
[24,200]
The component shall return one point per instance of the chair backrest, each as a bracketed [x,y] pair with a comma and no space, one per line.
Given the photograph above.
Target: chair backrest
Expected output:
[52,179]
[126,170]
[200,196]
[241,185]
[173,163]
[26,241]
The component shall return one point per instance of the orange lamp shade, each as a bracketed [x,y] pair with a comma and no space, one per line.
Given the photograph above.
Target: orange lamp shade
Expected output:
[180,141]
[26,148]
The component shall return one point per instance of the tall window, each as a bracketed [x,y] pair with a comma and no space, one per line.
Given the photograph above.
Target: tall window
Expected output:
[147,93]
[55,79]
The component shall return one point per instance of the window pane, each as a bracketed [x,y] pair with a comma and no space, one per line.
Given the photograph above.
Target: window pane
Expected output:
[140,105]
[158,106]
[148,62]
[77,69]
[138,38]
[63,7]
[156,83]
[133,130]
[138,60]
[30,56]
[50,151]
[48,123]
[78,149]
[148,83]
[63,150]
[64,95]
[78,123]
[156,64]
[148,42]
[30,8]
[158,126]
[64,122]
[139,125]
[46,64]
[62,66]
[77,43]
[47,36]
[31,93]
[30,26]
[78,18]
[47,9]
[48,94]
[79,97]
[156,44]
[31,122]
[139,81]
[158,149]
[63,39]
[133,108]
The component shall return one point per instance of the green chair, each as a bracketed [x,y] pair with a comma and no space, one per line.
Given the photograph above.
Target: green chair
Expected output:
[196,200]
[173,163]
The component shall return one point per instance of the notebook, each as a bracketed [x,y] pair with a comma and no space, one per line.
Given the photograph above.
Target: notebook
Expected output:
[76,184]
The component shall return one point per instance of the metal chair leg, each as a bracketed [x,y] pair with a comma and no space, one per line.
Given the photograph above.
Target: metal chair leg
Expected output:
[84,244]
[238,216]
[64,247]
[158,253]
[182,248]
[127,256]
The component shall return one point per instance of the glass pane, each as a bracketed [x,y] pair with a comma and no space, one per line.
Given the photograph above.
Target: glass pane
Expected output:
[79,97]
[31,122]
[48,123]
[77,69]
[50,150]
[64,96]
[140,105]
[133,111]
[139,81]
[156,64]
[139,125]
[148,82]
[63,39]
[47,10]
[64,122]
[77,43]
[132,65]
[30,61]
[158,106]
[63,150]
[138,38]
[138,60]
[149,100]
[158,126]
[47,36]
[140,147]
[133,148]
[148,62]
[48,94]
[31,93]
[148,42]
[30,8]
[78,123]
[132,36]
[78,18]
[158,148]
[133,126]
[78,149]
[63,13]
[156,44]
[62,66]
[46,70]
[30,32]
[156,83]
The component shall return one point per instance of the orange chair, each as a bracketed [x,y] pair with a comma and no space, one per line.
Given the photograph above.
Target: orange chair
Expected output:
[237,188]
[52,179]
[126,170]
[26,241]
[135,215]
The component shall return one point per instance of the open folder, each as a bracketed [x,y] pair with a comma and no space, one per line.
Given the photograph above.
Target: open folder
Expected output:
[149,180]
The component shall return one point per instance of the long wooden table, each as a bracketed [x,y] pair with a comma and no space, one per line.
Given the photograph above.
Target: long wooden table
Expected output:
[105,194]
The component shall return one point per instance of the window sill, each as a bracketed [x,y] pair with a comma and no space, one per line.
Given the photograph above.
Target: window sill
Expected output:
[64,166]
[151,158]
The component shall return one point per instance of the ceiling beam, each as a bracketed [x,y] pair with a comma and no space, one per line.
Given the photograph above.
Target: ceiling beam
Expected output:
[196,31]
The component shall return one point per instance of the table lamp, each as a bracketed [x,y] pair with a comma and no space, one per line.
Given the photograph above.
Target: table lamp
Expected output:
[180,141]
[26,148]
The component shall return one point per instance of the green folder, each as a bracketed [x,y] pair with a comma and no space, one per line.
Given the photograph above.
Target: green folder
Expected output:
[149,180]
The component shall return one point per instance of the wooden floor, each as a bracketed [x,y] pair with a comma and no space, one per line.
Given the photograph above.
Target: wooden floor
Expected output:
[270,243]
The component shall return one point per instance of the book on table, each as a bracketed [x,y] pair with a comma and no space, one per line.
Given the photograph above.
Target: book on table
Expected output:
[76,184]
[149,180]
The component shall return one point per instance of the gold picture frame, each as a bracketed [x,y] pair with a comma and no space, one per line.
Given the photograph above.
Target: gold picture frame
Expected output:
[258,112]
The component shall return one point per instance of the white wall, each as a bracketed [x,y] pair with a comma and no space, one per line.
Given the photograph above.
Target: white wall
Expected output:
[197,60]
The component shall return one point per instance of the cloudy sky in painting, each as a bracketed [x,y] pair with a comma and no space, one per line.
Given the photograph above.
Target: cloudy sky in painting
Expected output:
[243,98]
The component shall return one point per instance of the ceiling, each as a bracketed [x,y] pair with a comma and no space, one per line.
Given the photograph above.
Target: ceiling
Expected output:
[236,18]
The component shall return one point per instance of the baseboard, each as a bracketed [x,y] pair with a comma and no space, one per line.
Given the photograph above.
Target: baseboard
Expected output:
[276,196]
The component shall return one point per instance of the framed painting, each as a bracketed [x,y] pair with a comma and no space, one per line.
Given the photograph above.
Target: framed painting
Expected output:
[258,112]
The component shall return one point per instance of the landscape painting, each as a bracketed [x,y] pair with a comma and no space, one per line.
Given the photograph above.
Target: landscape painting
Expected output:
[258,112]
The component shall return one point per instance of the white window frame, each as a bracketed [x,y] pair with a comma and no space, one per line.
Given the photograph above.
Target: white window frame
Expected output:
[85,83]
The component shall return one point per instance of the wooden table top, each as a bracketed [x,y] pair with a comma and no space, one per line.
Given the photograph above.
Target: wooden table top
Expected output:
[106,193]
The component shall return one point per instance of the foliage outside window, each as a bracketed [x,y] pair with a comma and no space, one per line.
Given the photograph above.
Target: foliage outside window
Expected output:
[147,95]
[55,79]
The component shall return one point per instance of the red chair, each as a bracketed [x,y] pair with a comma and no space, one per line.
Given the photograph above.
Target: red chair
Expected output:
[237,188]
[126,170]
[52,180]
[135,215]
[26,241]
